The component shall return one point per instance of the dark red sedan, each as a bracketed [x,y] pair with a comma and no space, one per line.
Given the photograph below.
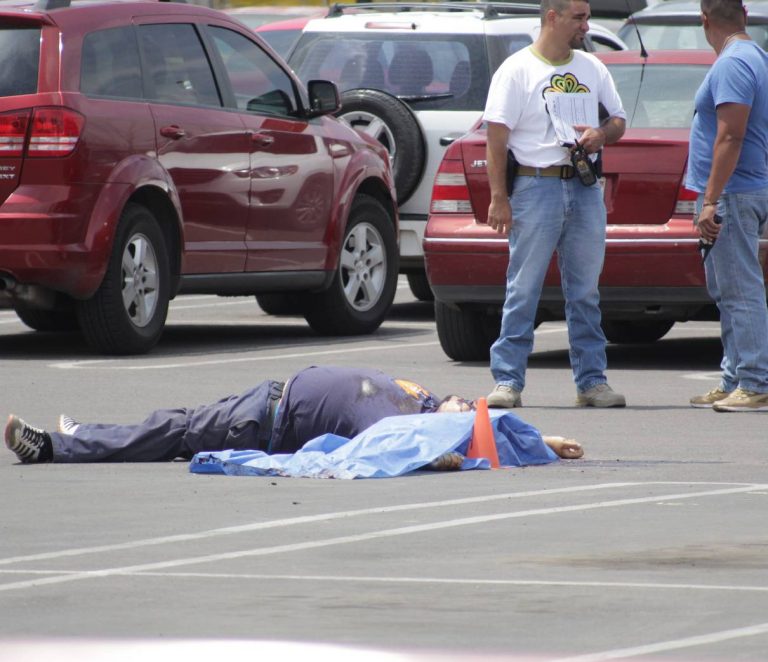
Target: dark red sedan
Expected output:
[653,275]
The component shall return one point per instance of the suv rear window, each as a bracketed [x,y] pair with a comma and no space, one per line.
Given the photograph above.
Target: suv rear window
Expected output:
[439,72]
[658,96]
[20,46]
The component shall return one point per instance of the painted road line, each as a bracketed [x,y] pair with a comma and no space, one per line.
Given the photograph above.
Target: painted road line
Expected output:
[674,644]
[364,537]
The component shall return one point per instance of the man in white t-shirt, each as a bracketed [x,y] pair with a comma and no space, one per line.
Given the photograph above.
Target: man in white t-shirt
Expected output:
[551,207]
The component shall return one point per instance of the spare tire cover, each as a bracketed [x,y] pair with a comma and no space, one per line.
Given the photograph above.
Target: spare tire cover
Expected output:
[393,124]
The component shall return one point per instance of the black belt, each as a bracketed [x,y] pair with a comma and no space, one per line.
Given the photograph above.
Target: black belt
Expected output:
[265,429]
[563,171]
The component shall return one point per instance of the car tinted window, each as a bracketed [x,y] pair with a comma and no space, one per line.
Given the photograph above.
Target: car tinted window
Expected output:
[20,51]
[658,96]
[110,64]
[680,37]
[257,81]
[179,70]
[435,72]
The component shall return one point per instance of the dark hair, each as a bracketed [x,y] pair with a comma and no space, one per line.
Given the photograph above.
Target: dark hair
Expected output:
[730,12]
[558,6]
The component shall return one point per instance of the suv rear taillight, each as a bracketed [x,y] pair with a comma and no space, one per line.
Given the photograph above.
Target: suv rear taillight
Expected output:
[13,131]
[55,132]
[450,193]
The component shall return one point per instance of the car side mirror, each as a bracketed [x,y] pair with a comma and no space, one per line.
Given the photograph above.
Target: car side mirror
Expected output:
[323,98]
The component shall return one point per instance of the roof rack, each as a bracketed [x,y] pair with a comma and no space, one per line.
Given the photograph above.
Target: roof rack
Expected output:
[489,9]
[47,5]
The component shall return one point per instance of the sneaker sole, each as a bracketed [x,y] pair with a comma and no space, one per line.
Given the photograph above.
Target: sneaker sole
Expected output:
[613,405]
[517,404]
[726,408]
[701,406]
[8,441]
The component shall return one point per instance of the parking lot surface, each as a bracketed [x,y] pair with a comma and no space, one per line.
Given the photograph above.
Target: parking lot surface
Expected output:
[652,547]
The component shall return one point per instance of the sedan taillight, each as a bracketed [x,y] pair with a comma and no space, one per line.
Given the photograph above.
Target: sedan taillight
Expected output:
[450,193]
[13,132]
[55,132]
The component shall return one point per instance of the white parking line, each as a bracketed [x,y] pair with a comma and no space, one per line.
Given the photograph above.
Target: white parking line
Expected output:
[131,365]
[324,517]
[364,537]
[674,644]
[449,581]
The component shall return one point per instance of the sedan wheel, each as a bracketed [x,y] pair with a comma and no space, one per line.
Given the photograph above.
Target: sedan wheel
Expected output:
[640,331]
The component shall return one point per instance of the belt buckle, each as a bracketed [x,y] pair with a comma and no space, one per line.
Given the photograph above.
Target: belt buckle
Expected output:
[566,172]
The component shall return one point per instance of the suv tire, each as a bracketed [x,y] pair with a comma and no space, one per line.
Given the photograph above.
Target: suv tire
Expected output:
[465,334]
[393,124]
[287,303]
[127,313]
[419,285]
[364,284]
[48,320]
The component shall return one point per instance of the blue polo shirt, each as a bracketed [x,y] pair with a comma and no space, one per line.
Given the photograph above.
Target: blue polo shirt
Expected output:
[342,401]
[739,75]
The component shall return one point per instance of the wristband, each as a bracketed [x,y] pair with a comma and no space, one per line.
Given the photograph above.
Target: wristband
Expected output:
[709,204]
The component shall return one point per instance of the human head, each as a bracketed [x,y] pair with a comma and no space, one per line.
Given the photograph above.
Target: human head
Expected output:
[454,404]
[566,20]
[730,13]
[720,19]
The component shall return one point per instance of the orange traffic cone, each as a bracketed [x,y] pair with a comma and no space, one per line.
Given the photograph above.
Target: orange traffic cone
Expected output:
[483,444]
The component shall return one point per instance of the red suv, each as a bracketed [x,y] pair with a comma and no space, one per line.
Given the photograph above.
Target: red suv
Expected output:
[149,149]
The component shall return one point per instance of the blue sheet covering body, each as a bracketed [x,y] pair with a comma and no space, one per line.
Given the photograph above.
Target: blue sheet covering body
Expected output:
[394,446]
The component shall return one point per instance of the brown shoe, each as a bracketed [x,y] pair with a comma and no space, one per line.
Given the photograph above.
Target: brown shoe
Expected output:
[743,400]
[708,399]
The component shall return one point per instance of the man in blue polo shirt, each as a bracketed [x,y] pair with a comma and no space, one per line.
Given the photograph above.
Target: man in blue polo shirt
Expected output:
[728,167]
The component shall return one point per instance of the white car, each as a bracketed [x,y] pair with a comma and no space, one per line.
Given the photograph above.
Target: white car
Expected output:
[416,76]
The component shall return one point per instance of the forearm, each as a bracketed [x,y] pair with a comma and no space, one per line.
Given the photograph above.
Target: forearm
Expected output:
[496,161]
[725,156]
[613,129]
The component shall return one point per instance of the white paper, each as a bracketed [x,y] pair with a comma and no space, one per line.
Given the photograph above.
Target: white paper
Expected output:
[567,109]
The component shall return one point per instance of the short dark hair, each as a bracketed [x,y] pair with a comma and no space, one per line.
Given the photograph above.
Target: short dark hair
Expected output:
[558,6]
[730,12]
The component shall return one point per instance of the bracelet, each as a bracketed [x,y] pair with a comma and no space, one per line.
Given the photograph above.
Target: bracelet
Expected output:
[709,204]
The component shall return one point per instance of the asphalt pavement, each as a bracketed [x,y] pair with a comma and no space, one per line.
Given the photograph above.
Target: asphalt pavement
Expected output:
[654,546]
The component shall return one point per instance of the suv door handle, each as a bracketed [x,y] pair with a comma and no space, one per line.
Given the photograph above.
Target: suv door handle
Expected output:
[173,131]
[262,139]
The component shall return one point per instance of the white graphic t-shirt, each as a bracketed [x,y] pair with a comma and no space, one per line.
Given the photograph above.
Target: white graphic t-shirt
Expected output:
[516,99]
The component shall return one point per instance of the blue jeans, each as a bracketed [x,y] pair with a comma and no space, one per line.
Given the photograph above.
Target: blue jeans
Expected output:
[551,214]
[735,282]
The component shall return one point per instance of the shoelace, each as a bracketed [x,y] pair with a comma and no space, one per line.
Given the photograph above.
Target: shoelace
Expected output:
[28,444]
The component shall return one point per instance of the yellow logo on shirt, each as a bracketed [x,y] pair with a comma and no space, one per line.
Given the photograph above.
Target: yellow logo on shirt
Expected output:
[413,389]
[567,83]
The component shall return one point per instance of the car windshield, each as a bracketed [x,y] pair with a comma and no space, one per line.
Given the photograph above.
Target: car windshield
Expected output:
[680,37]
[22,47]
[437,72]
[658,96]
